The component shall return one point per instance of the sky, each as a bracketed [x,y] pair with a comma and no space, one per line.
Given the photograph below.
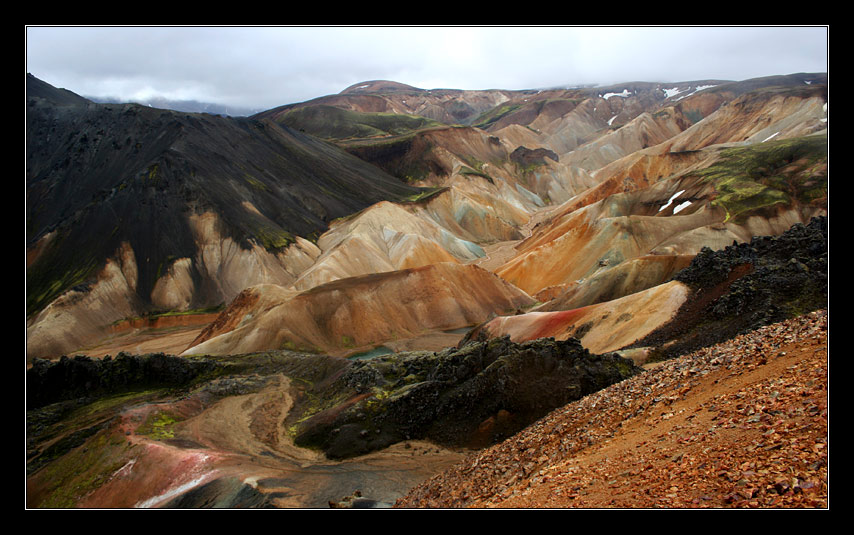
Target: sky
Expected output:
[264,67]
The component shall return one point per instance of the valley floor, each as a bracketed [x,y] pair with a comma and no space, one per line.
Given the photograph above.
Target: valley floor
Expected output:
[141,341]
[743,424]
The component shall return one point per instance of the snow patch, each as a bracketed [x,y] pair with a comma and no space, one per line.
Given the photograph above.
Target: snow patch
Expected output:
[625,93]
[124,470]
[681,207]
[772,136]
[672,92]
[669,201]
[696,90]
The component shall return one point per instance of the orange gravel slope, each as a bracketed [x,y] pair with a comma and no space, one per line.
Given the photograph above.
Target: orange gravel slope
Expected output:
[743,424]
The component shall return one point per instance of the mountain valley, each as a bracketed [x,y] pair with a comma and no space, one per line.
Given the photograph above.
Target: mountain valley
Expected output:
[394,290]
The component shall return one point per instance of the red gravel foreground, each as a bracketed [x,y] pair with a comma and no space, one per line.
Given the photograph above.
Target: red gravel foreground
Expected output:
[739,425]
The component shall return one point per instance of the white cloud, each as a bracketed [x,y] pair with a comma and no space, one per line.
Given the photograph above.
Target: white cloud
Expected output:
[270,66]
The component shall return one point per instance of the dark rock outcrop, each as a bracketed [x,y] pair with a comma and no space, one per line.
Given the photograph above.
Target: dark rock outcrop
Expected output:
[526,157]
[746,286]
[222,493]
[86,377]
[471,396]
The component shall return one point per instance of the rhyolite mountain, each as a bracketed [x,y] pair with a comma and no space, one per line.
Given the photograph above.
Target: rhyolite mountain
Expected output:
[133,210]
[395,265]
[159,192]
[614,215]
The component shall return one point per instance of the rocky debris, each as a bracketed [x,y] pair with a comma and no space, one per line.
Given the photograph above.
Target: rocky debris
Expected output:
[804,246]
[740,424]
[83,377]
[745,286]
[471,396]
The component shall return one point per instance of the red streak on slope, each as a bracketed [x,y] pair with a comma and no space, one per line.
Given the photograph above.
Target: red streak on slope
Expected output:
[555,324]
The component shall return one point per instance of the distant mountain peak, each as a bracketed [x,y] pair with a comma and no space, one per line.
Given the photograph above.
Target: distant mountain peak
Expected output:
[377,86]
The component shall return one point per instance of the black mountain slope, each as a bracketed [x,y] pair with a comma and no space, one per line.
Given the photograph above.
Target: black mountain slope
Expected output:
[100,175]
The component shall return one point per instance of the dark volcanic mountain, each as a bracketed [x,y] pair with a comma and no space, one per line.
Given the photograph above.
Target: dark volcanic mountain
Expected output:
[139,172]
[192,106]
[104,178]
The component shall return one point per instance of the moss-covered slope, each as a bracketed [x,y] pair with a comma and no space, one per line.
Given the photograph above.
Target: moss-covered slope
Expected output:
[471,396]
[754,177]
[329,122]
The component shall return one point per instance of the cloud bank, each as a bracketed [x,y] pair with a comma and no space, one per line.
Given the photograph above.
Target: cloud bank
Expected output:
[264,67]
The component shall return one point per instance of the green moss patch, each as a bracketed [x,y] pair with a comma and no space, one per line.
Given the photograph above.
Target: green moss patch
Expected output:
[329,122]
[83,470]
[159,425]
[273,239]
[425,195]
[750,178]
[492,116]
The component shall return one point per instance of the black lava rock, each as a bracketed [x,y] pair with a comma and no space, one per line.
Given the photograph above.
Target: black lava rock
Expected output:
[471,396]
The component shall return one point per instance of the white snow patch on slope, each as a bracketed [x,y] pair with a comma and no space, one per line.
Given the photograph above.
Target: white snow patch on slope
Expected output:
[681,207]
[696,90]
[625,93]
[174,491]
[671,199]
[672,92]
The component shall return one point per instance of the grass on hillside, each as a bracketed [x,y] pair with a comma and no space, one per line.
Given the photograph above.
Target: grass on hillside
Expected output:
[758,176]
[337,124]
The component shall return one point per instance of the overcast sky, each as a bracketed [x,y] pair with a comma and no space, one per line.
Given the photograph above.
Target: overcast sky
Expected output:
[264,67]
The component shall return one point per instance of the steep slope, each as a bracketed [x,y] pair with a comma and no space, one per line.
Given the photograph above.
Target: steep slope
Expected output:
[720,194]
[645,130]
[626,278]
[163,431]
[720,295]
[602,327]
[196,196]
[459,397]
[484,193]
[743,424]
[622,218]
[333,123]
[207,433]
[383,237]
[358,313]
[760,115]
[565,120]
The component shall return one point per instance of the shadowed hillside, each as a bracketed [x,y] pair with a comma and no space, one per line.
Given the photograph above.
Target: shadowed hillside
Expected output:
[137,173]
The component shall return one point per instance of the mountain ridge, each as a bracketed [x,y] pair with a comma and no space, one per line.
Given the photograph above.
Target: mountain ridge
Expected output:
[164,186]
[287,298]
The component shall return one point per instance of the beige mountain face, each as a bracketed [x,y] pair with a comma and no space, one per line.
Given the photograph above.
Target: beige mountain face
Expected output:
[573,200]
[602,327]
[360,312]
